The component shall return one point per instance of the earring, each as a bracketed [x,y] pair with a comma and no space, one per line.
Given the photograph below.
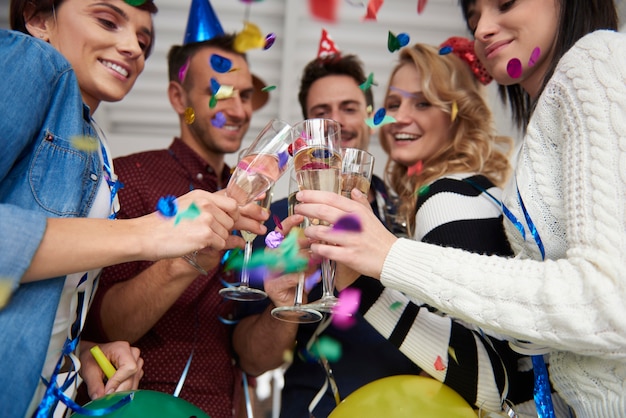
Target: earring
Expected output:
[190,116]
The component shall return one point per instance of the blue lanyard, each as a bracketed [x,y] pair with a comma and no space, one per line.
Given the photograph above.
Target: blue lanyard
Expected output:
[541,393]
[114,185]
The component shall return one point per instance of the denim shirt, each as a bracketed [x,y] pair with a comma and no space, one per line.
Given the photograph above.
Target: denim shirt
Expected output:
[41,176]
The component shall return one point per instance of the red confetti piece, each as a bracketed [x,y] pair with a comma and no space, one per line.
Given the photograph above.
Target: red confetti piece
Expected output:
[373,6]
[324,9]
[439,366]
[277,222]
[514,68]
[416,169]
[420,6]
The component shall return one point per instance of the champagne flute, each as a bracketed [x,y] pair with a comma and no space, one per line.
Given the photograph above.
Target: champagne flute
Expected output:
[357,167]
[297,313]
[259,167]
[317,161]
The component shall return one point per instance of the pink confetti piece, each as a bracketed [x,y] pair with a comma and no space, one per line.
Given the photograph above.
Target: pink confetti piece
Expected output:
[534,56]
[277,221]
[343,312]
[514,68]
[439,366]
[182,73]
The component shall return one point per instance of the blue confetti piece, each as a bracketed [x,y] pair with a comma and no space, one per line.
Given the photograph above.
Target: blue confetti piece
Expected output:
[269,41]
[283,159]
[220,64]
[379,116]
[403,39]
[167,206]
[445,50]
[219,120]
[215,86]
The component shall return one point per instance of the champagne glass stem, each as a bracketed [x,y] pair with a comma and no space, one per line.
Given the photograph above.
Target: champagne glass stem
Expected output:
[299,290]
[328,278]
[245,273]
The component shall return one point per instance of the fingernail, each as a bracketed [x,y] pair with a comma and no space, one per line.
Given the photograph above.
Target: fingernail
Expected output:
[357,193]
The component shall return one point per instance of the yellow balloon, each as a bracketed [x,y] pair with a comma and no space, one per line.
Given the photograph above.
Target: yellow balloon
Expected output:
[404,396]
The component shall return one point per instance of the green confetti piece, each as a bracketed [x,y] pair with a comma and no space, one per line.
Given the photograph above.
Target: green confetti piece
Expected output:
[135,2]
[395,305]
[191,212]
[387,119]
[368,83]
[423,190]
[213,102]
[328,348]
[268,88]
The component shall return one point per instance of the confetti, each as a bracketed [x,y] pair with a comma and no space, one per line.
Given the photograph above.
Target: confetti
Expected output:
[423,190]
[415,169]
[452,353]
[445,50]
[182,73]
[514,68]
[325,10]
[270,38]
[439,366]
[395,305]
[215,86]
[373,6]
[220,64]
[454,111]
[379,116]
[135,2]
[277,221]
[268,88]
[167,206]
[249,38]
[283,159]
[367,84]
[348,223]
[394,42]
[386,120]
[343,312]
[189,115]
[219,120]
[192,212]
[85,143]
[225,92]
[421,4]
[534,56]
[328,348]
[5,291]
[274,239]
[212,102]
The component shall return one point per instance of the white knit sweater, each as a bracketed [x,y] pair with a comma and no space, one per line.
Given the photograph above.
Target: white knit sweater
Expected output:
[571,175]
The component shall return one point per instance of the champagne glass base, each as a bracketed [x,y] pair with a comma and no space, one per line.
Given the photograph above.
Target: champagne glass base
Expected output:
[297,314]
[325,304]
[242,293]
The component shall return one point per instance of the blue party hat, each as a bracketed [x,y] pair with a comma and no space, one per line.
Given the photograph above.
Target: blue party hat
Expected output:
[202,23]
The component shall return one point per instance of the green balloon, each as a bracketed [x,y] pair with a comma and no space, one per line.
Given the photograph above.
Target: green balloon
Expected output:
[146,403]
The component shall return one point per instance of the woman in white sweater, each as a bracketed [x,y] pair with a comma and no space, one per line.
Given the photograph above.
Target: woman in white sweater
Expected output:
[566,287]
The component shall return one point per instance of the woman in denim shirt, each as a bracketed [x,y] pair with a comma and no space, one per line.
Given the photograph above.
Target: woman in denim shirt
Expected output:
[49,259]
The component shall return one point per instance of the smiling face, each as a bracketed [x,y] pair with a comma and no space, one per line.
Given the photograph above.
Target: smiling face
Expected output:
[207,138]
[105,41]
[505,30]
[421,129]
[339,97]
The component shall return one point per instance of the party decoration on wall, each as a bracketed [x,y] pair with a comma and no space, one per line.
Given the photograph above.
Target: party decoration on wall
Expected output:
[167,206]
[421,4]
[404,396]
[5,291]
[367,84]
[325,10]
[248,38]
[514,68]
[202,23]
[534,56]
[220,64]
[327,48]
[85,143]
[464,49]
[394,42]
[373,6]
[144,403]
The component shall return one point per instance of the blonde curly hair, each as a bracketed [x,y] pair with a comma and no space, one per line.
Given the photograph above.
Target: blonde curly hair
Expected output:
[474,146]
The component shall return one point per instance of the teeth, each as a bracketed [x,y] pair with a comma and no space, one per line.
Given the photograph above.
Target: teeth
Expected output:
[401,137]
[230,127]
[117,68]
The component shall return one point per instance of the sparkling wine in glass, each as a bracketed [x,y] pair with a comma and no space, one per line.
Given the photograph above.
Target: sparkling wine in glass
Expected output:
[357,167]
[298,312]
[258,169]
[317,162]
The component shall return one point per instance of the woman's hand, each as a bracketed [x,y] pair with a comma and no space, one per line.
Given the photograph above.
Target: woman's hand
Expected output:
[363,251]
[126,360]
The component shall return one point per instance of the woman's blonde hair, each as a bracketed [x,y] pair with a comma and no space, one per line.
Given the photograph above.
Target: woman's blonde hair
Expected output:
[473,147]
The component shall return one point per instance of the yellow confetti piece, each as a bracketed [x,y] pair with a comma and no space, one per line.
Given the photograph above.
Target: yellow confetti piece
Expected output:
[189,115]
[225,92]
[5,291]
[452,354]
[454,111]
[249,38]
[288,356]
[85,143]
